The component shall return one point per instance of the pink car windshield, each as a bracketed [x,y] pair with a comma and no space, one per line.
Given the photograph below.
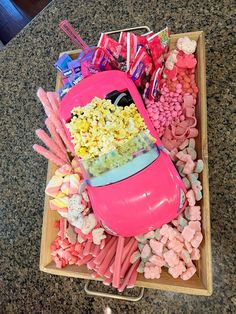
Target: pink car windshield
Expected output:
[118,164]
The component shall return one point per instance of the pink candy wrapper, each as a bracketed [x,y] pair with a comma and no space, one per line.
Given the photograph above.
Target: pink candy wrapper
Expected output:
[158,45]
[110,44]
[142,68]
[154,87]
[132,44]
[142,39]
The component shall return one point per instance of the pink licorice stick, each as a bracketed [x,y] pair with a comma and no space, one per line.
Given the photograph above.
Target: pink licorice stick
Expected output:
[96,250]
[129,244]
[133,278]
[54,134]
[108,274]
[49,155]
[98,260]
[106,262]
[91,264]
[107,281]
[87,248]
[42,95]
[117,266]
[128,276]
[62,228]
[54,101]
[126,262]
[42,135]
[84,260]
[95,275]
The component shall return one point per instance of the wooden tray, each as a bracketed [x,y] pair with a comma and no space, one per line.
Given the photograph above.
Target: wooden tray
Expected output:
[201,282]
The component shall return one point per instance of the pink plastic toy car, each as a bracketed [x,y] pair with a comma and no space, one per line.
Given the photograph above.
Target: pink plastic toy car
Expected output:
[147,191]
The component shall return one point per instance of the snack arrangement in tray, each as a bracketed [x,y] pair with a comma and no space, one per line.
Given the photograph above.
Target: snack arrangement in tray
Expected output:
[116,149]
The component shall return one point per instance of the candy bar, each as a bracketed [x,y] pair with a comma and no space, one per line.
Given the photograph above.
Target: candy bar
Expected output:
[62,62]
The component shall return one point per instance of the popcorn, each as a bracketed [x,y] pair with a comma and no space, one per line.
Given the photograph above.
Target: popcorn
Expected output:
[100,126]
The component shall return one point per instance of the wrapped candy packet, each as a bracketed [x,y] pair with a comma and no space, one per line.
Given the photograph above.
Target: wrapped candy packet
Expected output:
[131,51]
[142,68]
[158,45]
[110,44]
[142,39]
[154,86]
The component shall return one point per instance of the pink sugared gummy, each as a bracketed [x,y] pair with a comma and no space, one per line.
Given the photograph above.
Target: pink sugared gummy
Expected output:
[156,246]
[171,258]
[188,233]
[197,239]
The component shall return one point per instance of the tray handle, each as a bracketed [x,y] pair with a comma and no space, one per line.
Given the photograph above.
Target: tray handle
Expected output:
[111,295]
[129,29]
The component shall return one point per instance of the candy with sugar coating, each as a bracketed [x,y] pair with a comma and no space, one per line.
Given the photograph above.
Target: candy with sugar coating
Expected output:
[175,245]
[188,246]
[98,235]
[157,234]
[182,222]
[186,183]
[157,260]
[189,166]
[146,251]
[184,144]
[177,270]
[191,198]
[89,222]
[196,225]
[192,143]
[164,231]
[134,257]
[152,272]
[164,240]
[188,233]
[171,258]
[156,246]
[149,235]
[193,213]
[195,255]
[188,273]
[192,152]
[197,239]
[185,255]
[199,166]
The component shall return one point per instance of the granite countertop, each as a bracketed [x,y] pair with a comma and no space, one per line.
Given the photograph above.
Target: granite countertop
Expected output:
[27,63]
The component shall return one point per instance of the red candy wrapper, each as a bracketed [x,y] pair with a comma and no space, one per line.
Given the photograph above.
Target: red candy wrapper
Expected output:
[154,87]
[142,68]
[142,39]
[158,45]
[110,44]
[132,44]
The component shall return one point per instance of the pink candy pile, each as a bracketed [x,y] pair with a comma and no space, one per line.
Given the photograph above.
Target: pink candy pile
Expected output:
[110,259]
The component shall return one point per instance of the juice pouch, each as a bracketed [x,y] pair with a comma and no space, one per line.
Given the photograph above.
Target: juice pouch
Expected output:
[154,87]
[142,68]
[110,44]
[158,45]
[131,45]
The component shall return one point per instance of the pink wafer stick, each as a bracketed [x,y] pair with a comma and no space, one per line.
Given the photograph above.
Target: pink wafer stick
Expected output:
[87,248]
[126,262]
[128,276]
[84,260]
[42,135]
[106,262]
[54,101]
[98,260]
[48,155]
[42,95]
[55,135]
[127,248]
[117,267]
[133,277]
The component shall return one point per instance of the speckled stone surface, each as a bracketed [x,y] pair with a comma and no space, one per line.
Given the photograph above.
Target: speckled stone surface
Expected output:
[26,64]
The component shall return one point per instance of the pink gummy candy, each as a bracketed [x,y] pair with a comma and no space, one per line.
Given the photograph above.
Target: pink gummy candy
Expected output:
[157,260]
[146,251]
[196,225]
[195,255]
[191,198]
[197,239]
[157,246]
[177,270]
[188,273]
[171,258]
[175,245]
[188,233]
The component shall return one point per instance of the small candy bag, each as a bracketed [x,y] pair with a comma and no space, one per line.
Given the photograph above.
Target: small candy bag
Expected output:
[142,68]
[158,45]
[132,44]
[62,62]
[142,39]
[110,44]
[154,87]
[74,66]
